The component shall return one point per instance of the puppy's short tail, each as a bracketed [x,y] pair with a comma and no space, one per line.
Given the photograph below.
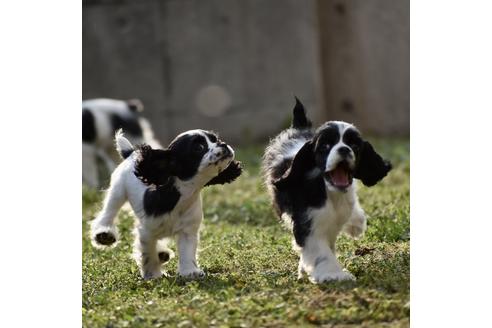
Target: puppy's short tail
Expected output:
[300,121]
[123,146]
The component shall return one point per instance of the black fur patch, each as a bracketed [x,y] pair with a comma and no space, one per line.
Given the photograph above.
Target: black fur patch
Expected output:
[105,238]
[295,194]
[153,166]
[295,197]
[88,126]
[187,153]
[301,227]
[353,139]
[129,124]
[301,164]
[164,256]
[211,136]
[231,173]
[161,200]
[327,135]
[371,167]
[299,120]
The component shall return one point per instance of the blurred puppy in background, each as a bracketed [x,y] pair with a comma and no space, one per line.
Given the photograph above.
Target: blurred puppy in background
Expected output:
[101,118]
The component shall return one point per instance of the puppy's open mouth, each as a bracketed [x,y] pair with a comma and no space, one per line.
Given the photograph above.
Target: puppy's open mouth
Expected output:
[340,177]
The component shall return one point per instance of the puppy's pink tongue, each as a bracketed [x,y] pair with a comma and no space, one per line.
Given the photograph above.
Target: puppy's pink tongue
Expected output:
[339,176]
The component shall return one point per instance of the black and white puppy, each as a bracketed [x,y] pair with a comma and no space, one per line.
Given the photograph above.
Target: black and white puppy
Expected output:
[309,175]
[163,188]
[101,118]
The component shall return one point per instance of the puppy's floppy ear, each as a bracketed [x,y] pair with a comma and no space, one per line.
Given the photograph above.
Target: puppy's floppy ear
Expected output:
[371,167]
[231,173]
[154,166]
[302,162]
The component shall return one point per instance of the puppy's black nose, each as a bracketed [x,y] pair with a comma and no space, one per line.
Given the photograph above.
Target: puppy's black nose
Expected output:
[344,151]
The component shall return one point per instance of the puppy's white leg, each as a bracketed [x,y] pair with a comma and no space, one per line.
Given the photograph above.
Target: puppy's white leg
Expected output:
[90,175]
[357,223]
[187,245]
[319,261]
[103,230]
[146,256]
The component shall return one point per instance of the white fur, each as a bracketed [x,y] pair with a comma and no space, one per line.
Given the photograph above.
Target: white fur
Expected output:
[152,233]
[340,212]
[122,144]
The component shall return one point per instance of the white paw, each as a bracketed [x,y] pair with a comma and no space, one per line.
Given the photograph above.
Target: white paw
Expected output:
[103,237]
[354,231]
[153,274]
[356,227]
[192,274]
[319,277]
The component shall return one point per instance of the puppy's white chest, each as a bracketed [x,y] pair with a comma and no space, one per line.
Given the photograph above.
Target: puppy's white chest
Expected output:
[333,215]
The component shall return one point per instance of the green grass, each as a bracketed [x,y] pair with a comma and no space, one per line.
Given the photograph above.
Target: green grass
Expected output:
[251,268]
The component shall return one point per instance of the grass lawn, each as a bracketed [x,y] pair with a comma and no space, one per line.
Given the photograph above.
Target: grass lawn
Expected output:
[251,268]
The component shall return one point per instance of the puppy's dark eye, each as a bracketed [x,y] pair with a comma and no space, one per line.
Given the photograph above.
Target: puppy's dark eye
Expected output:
[198,148]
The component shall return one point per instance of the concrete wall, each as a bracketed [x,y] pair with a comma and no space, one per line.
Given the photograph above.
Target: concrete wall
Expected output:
[365,48]
[228,65]
[234,65]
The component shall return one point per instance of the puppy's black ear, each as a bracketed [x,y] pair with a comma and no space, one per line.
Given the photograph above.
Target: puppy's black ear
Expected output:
[371,167]
[154,166]
[231,173]
[301,164]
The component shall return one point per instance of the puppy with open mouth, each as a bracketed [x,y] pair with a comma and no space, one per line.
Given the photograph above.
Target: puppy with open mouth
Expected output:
[163,188]
[309,175]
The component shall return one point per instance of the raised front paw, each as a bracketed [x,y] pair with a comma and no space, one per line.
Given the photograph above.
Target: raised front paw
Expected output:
[105,238]
[356,226]
[192,273]
[355,231]
[320,277]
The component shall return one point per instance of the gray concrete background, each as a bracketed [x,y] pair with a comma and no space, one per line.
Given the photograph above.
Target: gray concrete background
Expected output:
[234,65]
[365,47]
